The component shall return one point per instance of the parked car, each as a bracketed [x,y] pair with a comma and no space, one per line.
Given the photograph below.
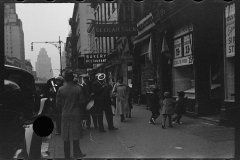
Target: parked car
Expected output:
[20,105]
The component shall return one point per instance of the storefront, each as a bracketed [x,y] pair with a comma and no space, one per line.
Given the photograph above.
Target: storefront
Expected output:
[197,57]
[145,73]
[229,63]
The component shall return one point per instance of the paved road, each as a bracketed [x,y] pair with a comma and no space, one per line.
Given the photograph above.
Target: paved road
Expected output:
[136,138]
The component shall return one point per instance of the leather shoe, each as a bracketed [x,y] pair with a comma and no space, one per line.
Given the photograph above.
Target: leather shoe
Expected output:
[113,128]
[80,156]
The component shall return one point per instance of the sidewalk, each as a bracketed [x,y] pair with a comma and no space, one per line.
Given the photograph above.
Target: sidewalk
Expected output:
[198,137]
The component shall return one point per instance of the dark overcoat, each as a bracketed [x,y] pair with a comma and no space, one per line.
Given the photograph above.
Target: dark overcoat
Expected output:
[154,102]
[179,107]
[70,98]
[168,106]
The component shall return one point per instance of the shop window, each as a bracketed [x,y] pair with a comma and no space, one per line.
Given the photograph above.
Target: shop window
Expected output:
[230,51]
[183,80]
[183,69]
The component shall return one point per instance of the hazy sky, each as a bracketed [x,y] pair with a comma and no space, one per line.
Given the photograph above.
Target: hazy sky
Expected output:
[44,22]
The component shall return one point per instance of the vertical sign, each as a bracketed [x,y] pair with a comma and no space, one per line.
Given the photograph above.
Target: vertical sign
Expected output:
[230,30]
[177,48]
[187,45]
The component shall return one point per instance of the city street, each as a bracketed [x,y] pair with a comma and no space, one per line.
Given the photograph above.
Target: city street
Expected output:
[136,138]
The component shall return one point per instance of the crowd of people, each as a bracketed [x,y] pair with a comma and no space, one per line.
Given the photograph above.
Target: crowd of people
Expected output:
[88,102]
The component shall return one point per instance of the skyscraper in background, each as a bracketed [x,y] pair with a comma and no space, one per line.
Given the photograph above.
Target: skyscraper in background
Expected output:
[14,37]
[44,65]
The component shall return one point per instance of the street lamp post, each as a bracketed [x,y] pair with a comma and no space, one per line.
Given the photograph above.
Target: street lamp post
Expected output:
[58,46]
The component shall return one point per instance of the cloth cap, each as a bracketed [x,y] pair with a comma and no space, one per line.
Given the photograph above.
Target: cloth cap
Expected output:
[166,94]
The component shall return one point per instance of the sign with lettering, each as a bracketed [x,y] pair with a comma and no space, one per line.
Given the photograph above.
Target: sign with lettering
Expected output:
[187,45]
[96,58]
[183,61]
[145,24]
[115,30]
[177,48]
[230,30]
[184,30]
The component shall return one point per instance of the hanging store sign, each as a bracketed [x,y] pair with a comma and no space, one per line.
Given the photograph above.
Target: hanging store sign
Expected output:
[96,58]
[145,24]
[183,61]
[115,30]
[230,30]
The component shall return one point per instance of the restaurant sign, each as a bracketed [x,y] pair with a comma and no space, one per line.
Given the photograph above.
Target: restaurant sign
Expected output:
[115,30]
[96,58]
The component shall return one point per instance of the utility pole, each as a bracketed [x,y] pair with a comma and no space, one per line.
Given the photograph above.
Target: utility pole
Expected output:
[58,46]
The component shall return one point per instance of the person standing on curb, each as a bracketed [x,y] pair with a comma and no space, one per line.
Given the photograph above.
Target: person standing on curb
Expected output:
[122,93]
[102,102]
[70,99]
[154,105]
[179,107]
[168,109]
[87,90]
[129,101]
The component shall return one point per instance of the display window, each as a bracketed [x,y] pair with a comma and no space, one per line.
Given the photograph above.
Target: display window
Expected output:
[229,52]
[146,66]
[183,69]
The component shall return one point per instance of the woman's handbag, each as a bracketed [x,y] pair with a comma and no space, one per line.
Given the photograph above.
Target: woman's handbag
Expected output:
[90,105]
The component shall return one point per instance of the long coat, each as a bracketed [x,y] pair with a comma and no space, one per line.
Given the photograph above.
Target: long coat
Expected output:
[179,107]
[122,93]
[154,103]
[168,106]
[98,89]
[70,98]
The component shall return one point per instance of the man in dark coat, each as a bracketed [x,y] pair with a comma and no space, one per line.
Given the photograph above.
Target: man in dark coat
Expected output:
[179,107]
[70,99]
[87,90]
[102,102]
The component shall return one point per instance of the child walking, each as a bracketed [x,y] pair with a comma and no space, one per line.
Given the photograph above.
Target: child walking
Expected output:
[168,109]
[154,105]
[179,107]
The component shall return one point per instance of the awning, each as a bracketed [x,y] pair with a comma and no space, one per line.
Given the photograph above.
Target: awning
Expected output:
[142,38]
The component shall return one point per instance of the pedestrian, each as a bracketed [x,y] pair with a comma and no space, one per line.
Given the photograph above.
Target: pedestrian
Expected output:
[179,107]
[122,93]
[154,105]
[168,109]
[129,101]
[58,111]
[87,90]
[70,99]
[102,102]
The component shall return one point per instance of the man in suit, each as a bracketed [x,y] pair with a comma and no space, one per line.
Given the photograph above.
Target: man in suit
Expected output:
[102,102]
[87,90]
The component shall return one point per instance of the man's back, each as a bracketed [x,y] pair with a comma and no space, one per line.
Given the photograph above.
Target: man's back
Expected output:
[71,97]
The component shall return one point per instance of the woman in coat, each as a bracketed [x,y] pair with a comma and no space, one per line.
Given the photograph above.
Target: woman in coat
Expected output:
[121,91]
[168,109]
[70,99]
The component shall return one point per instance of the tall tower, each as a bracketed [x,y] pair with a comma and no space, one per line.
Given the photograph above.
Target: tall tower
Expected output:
[44,65]
[14,37]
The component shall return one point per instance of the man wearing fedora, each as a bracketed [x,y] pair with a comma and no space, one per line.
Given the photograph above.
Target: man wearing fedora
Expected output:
[102,101]
[70,99]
